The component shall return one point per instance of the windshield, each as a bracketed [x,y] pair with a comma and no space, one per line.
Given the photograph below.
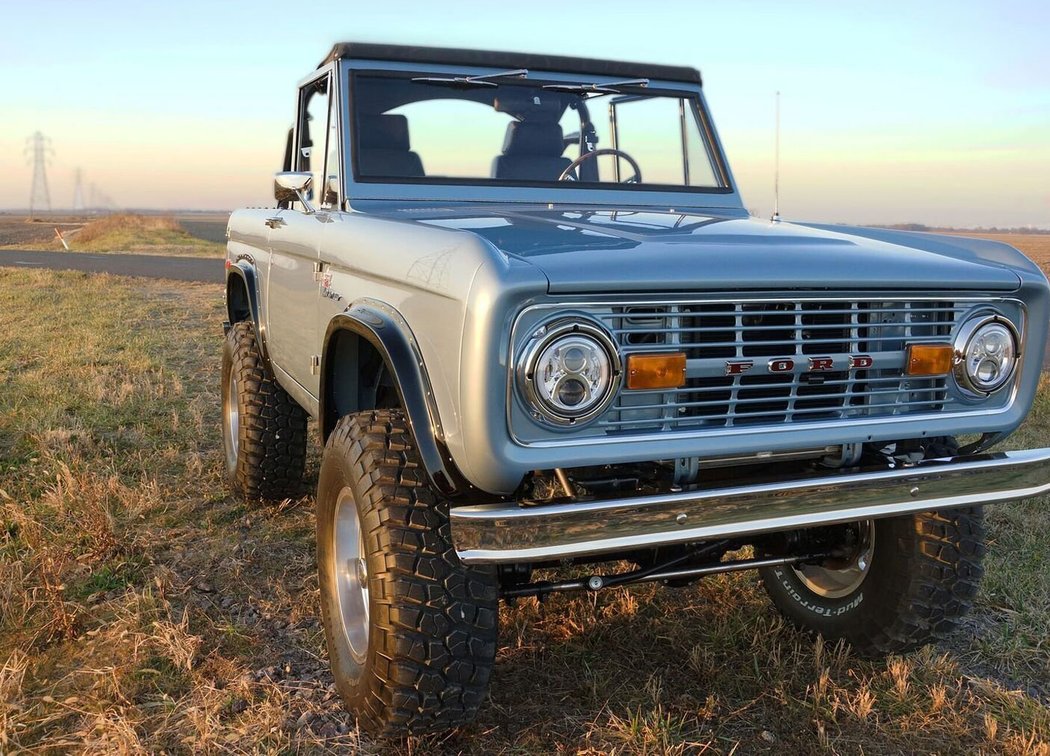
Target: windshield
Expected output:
[507,128]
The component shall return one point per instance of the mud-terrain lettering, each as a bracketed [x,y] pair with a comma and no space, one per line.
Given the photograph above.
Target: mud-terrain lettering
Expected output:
[824,611]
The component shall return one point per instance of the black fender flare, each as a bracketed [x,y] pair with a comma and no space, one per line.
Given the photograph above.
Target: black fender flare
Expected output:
[385,329]
[244,270]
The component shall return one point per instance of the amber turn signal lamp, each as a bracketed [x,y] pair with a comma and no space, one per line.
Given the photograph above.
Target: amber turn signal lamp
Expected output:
[929,359]
[656,371]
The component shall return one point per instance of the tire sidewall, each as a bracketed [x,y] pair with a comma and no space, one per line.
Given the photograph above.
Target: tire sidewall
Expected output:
[810,607]
[432,620]
[272,430]
[335,475]
[229,360]
[885,581]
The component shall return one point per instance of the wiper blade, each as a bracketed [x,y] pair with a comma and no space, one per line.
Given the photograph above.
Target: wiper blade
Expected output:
[482,80]
[609,88]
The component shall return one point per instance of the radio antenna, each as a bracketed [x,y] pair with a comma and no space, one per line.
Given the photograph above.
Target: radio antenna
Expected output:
[776,167]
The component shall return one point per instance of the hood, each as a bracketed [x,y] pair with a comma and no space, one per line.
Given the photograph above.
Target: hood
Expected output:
[582,250]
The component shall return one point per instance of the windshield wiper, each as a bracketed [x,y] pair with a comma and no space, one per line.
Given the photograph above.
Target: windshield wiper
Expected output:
[482,80]
[610,88]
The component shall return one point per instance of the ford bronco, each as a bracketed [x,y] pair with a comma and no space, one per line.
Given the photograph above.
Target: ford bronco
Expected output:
[538,330]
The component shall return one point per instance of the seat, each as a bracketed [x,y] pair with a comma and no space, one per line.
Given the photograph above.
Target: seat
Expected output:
[531,152]
[383,148]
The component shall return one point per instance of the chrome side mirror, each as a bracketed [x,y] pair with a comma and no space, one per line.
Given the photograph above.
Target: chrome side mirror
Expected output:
[293,186]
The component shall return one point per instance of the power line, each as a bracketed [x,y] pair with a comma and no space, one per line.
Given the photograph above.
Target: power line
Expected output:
[39,195]
[78,191]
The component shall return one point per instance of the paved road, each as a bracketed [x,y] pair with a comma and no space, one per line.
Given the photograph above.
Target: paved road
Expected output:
[206,270]
[209,229]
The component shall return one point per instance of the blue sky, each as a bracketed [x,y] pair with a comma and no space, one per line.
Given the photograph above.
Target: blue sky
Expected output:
[930,112]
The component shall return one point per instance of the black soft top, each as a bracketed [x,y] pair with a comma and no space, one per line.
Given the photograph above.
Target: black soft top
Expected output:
[448,55]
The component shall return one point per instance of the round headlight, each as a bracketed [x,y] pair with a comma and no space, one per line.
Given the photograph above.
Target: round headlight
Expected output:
[985,355]
[569,372]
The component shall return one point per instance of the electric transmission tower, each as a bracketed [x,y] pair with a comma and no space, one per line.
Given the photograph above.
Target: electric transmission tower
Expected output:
[39,196]
[78,192]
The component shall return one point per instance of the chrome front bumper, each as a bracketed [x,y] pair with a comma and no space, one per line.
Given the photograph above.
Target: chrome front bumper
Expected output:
[494,533]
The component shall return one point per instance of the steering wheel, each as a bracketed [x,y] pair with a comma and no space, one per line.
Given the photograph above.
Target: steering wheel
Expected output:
[569,173]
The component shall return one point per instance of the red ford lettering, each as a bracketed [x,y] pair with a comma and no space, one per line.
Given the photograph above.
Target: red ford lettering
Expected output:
[739,366]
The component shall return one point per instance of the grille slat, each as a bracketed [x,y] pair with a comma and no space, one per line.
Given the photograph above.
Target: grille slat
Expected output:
[789,343]
[634,313]
[762,333]
[723,328]
[701,389]
[861,394]
[705,420]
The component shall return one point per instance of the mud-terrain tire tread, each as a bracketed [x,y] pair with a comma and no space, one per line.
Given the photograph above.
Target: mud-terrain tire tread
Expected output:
[434,620]
[272,445]
[923,591]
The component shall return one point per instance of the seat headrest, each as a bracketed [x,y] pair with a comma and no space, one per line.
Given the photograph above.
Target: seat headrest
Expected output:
[535,138]
[383,132]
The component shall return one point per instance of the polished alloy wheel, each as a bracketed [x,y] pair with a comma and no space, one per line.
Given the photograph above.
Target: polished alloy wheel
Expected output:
[351,574]
[840,577]
[231,426]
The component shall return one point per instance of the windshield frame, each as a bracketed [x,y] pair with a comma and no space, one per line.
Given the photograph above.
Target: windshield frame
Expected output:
[360,187]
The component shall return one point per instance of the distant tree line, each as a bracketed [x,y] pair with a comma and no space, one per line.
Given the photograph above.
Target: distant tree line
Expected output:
[977,230]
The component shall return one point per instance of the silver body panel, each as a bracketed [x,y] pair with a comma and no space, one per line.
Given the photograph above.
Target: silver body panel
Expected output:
[290,293]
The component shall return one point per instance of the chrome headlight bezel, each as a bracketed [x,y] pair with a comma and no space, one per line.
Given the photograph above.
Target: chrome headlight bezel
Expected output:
[540,405]
[970,385]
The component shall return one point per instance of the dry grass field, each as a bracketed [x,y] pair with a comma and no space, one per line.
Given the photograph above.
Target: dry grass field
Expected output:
[144,609]
[125,232]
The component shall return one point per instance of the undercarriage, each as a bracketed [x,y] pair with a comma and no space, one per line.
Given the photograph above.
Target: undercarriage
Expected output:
[834,547]
[676,525]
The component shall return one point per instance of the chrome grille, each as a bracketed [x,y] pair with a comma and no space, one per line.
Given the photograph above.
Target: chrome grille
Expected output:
[765,332]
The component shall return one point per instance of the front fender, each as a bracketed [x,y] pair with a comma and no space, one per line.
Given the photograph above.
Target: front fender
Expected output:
[386,331]
[242,274]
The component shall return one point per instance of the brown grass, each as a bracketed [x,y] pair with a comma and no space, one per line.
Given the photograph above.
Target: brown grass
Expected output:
[113,225]
[126,232]
[141,233]
[143,609]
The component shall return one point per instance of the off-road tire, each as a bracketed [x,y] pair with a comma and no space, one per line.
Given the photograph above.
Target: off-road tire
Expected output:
[923,577]
[270,453]
[432,621]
